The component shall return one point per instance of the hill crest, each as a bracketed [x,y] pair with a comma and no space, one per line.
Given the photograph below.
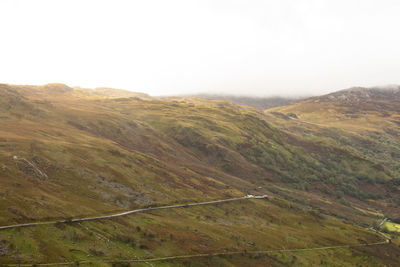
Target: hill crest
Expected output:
[361,94]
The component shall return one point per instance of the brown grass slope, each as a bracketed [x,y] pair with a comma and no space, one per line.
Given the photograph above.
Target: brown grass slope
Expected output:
[207,148]
[76,152]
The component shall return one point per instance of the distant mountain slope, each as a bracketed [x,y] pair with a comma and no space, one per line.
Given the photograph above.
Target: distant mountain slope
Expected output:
[357,108]
[361,94]
[256,102]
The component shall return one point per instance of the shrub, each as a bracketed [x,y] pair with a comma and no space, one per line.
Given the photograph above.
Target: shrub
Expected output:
[96,252]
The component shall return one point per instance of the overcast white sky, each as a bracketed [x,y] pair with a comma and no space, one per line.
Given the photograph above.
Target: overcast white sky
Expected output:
[265,47]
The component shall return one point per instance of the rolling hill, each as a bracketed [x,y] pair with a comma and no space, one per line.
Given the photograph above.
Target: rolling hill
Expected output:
[328,164]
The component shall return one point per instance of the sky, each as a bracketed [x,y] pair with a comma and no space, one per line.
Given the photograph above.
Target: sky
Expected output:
[171,47]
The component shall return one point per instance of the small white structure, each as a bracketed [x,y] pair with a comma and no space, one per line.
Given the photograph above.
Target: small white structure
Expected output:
[15,158]
[250,196]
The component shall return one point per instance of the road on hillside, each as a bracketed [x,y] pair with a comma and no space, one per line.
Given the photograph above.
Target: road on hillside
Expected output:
[216,254]
[103,217]
[177,257]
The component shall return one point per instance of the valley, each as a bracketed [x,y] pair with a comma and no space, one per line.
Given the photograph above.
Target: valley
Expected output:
[194,171]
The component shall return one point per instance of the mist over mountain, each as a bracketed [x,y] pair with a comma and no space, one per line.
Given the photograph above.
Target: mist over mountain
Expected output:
[253,101]
[187,133]
[363,94]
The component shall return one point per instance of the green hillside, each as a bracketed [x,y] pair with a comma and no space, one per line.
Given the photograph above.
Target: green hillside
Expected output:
[364,121]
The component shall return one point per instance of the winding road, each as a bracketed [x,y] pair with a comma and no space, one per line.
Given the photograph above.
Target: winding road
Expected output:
[177,257]
[189,256]
[104,217]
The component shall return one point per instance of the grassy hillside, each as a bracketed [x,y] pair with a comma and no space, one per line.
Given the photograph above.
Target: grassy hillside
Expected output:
[365,122]
[73,152]
[244,226]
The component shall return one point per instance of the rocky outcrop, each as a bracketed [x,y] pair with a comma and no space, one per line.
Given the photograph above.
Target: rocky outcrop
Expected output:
[361,94]
[29,168]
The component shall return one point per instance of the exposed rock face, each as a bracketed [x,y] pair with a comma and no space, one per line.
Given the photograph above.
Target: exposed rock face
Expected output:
[3,248]
[29,168]
[122,195]
[361,94]
[376,99]
[4,169]
[292,115]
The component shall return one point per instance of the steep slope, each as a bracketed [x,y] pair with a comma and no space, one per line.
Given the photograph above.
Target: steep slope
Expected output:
[365,121]
[72,152]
